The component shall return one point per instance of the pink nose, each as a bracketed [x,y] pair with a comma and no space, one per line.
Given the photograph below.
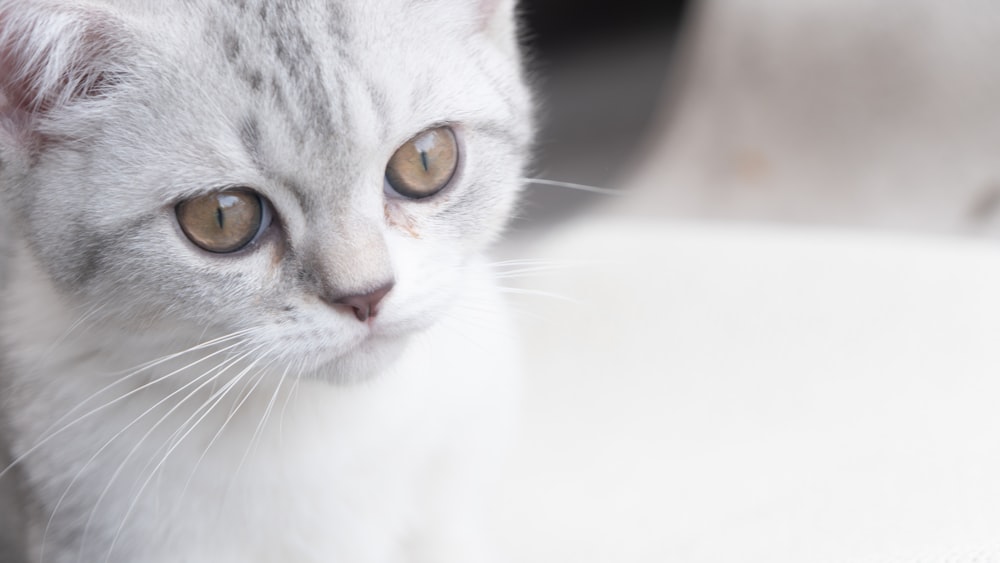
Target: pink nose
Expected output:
[366,305]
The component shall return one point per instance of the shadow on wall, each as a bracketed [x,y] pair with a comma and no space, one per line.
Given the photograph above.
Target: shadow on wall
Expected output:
[600,71]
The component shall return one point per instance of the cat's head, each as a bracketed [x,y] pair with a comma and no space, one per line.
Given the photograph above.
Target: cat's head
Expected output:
[319,173]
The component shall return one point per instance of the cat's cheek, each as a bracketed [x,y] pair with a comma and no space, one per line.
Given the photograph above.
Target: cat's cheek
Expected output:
[429,278]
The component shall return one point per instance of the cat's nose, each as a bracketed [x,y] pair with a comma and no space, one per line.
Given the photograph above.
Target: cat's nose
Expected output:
[366,305]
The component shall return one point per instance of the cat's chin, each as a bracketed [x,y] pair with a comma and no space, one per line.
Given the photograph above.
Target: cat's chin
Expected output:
[371,358]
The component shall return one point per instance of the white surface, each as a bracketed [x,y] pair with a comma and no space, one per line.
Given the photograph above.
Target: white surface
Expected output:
[751,394]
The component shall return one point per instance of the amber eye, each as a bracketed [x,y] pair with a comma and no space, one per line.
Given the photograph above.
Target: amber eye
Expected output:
[223,221]
[425,164]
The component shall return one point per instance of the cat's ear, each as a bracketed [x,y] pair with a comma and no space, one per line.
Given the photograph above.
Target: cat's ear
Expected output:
[52,55]
[497,19]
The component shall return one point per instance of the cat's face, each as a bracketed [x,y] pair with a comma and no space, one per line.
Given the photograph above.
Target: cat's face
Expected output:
[263,165]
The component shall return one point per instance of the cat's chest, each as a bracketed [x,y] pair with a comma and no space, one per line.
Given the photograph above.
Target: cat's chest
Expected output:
[346,477]
[310,472]
[311,494]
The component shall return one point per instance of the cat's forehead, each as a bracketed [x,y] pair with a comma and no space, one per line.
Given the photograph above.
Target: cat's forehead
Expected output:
[320,88]
[323,63]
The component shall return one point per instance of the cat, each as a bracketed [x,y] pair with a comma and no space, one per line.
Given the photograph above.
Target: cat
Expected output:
[246,310]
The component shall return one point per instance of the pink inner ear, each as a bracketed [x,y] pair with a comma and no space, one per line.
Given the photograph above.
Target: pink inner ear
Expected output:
[54,55]
[488,9]
[16,44]
[15,101]
[12,91]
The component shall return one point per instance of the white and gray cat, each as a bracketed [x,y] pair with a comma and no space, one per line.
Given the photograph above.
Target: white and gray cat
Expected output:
[246,315]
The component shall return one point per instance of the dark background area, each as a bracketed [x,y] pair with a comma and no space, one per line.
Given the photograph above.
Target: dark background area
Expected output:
[555,25]
[599,69]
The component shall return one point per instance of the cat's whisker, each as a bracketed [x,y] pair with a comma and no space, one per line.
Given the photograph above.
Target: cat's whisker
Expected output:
[500,268]
[258,432]
[288,397]
[132,372]
[462,334]
[253,438]
[531,267]
[523,273]
[243,396]
[469,321]
[211,375]
[93,310]
[49,434]
[511,269]
[538,293]
[220,431]
[519,262]
[201,346]
[493,311]
[523,262]
[111,440]
[227,363]
[206,378]
[213,393]
[166,456]
[311,371]
[208,447]
[572,186]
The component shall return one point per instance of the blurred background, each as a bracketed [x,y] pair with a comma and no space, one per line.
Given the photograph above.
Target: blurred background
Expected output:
[780,345]
[849,112]
[601,71]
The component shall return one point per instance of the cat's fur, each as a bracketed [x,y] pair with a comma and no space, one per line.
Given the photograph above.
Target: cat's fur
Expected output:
[308,437]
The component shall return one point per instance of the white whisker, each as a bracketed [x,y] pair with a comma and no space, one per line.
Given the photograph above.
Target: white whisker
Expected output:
[104,447]
[76,324]
[572,186]
[246,454]
[211,375]
[538,293]
[225,423]
[203,345]
[166,456]
[524,272]
[538,262]
[50,435]
[218,433]
[270,406]
[288,397]
[214,393]
[490,310]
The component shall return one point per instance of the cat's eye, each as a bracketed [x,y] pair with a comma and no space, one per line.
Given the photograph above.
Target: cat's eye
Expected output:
[425,164]
[224,221]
